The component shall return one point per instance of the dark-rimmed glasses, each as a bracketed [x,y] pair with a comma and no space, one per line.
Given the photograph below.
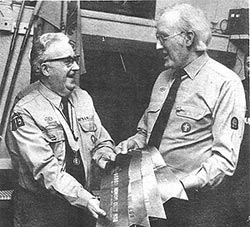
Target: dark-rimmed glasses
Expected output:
[164,38]
[68,61]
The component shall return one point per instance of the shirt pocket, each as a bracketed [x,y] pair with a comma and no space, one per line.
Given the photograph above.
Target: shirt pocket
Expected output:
[193,121]
[89,129]
[191,112]
[88,126]
[54,134]
[56,138]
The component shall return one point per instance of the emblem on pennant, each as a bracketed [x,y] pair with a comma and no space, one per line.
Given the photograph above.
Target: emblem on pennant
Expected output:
[16,121]
[234,123]
[185,127]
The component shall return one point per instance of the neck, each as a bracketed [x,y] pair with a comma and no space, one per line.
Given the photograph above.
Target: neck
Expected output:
[191,57]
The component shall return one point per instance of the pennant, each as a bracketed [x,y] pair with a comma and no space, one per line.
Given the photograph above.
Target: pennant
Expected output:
[169,185]
[114,194]
[49,18]
[51,12]
[136,201]
[130,193]
[74,32]
[152,197]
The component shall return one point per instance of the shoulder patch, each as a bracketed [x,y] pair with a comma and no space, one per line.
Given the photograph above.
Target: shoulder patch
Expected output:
[16,121]
[234,123]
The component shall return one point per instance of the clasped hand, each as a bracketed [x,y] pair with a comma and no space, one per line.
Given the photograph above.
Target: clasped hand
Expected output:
[126,146]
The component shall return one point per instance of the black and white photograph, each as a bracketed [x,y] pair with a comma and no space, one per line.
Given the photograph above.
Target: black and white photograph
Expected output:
[124,113]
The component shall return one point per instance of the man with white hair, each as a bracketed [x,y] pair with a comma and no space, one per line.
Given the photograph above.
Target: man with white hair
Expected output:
[53,133]
[195,118]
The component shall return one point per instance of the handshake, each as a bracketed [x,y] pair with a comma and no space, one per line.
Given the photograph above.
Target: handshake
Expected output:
[126,146]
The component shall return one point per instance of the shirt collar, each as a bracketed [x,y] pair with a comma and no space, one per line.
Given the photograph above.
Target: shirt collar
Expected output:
[195,66]
[50,95]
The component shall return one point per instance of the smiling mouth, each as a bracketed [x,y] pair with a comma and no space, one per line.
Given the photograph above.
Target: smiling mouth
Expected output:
[165,55]
[71,75]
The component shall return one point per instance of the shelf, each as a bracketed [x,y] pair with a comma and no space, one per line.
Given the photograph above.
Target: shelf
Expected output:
[239,37]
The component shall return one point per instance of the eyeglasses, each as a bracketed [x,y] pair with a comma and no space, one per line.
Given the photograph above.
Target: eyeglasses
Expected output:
[163,38]
[68,61]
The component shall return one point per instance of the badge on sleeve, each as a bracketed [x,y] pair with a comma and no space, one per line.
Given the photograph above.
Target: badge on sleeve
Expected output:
[234,123]
[16,121]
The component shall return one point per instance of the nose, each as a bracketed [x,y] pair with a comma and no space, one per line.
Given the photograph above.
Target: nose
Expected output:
[159,45]
[75,66]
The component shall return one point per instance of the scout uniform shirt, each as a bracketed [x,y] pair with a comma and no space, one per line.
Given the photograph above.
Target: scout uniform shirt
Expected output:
[36,141]
[202,139]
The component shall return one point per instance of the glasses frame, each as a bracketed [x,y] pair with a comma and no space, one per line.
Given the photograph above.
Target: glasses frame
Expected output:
[70,60]
[163,38]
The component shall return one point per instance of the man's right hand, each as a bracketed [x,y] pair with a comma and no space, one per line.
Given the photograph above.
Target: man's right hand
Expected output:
[94,208]
[126,146]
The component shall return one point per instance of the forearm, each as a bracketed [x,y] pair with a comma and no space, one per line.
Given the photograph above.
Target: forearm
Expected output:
[71,190]
[140,138]
[211,174]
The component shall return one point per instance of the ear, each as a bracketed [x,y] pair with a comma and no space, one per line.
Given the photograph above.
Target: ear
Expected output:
[44,69]
[189,38]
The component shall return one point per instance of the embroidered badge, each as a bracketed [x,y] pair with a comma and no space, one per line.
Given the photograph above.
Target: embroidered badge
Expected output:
[234,123]
[16,121]
[185,127]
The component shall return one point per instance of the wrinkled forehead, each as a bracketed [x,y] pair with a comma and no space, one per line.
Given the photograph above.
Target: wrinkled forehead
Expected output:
[167,23]
[59,49]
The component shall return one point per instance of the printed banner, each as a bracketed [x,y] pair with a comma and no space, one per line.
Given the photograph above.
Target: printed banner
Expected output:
[136,201]
[114,194]
[135,188]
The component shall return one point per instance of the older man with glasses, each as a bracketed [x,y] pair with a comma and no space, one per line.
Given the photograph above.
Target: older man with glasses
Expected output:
[195,118]
[53,133]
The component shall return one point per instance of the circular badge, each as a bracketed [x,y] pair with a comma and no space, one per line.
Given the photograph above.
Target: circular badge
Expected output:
[185,127]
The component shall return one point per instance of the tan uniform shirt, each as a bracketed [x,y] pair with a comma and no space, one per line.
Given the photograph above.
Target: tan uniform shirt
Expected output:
[202,139]
[36,141]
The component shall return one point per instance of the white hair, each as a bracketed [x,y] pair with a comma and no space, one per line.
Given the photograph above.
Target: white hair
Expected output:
[194,19]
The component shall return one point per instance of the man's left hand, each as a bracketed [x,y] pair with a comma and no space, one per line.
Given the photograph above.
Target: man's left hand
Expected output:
[104,155]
